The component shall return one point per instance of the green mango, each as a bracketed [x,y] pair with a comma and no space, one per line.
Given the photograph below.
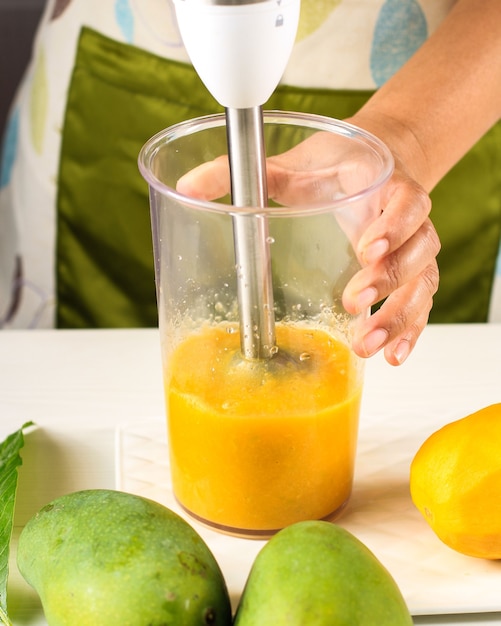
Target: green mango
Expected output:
[105,558]
[315,573]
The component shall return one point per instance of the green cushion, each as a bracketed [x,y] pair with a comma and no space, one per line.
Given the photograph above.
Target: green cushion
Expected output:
[119,96]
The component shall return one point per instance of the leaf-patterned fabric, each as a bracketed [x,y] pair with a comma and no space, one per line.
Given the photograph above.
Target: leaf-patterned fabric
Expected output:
[344,50]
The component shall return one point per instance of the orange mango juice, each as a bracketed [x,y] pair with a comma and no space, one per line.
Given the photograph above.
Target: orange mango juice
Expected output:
[256,447]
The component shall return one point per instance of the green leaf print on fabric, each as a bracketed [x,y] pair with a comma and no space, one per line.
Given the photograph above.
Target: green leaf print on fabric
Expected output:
[39,102]
[313,15]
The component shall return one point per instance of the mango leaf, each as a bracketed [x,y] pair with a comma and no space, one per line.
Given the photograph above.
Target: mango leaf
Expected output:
[9,461]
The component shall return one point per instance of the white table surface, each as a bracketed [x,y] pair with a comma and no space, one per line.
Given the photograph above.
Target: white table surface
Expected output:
[70,380]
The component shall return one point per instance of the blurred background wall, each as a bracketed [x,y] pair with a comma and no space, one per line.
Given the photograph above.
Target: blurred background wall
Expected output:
[18,21]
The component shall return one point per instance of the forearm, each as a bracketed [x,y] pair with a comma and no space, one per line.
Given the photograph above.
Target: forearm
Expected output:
[446,97]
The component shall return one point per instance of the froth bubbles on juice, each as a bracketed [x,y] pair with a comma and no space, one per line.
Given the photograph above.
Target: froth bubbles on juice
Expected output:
[254,446]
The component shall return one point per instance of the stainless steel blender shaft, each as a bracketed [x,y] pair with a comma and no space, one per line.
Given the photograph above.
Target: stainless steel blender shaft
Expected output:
[250,231]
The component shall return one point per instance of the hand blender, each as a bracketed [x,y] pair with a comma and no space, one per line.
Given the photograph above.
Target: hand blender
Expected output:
[240,49]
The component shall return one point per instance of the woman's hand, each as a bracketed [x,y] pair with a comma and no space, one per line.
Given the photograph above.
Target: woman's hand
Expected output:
[397,251]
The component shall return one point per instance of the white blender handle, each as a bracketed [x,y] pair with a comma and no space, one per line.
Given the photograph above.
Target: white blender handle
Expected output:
[239,48]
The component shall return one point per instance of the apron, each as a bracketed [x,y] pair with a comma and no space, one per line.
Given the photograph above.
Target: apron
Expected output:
[120,95]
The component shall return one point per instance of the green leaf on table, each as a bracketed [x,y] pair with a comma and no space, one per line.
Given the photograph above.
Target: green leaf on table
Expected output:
[10,459]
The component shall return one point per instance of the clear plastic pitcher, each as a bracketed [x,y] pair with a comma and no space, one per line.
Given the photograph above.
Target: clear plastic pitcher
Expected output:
[258,444]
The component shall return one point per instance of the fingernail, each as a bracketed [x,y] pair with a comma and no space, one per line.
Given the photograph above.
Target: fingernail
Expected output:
[366,297]
[375,250]
[375,340]
[402,351]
